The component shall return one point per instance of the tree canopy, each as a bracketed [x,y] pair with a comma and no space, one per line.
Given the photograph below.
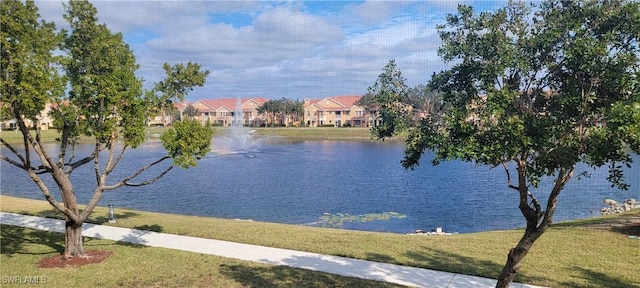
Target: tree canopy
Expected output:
[536,90]
[105,102]
[282,110]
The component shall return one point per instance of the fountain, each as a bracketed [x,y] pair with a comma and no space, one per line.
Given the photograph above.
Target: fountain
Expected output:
[238,139]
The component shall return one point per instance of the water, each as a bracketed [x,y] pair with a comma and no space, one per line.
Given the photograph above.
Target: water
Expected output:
[297,181]
[238,139]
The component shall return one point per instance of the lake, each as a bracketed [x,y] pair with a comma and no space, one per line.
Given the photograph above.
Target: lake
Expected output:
[296,182]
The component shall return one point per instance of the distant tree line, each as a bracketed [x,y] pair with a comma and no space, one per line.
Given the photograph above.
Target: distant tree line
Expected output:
[281,112]
[411,105]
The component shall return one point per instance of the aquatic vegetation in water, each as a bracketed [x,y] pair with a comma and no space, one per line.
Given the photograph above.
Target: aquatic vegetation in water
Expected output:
[338,219]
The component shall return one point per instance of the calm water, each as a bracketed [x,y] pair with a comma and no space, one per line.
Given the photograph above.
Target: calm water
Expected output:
[296,182]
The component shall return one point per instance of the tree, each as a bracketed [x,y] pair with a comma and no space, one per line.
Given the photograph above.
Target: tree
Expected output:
[424,101]
[293,110]
[269,108]
[191,112]
[27,55]
[181,79]
[282,110]
[371,109]
[389,96]
[104,102]
[535,94]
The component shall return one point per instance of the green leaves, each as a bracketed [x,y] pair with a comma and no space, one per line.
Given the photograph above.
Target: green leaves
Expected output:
[180,81]
[390,95]
[554,88]
[101,69]
[29,78]
[280,109]
[187,142]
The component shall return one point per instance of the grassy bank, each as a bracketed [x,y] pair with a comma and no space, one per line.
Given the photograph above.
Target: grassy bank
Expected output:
[319,133]
[568,255]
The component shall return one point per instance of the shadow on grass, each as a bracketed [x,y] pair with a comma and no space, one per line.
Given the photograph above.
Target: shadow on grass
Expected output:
[456,263]
[15,238]
[630,229]
[627,223]
[93,217]
[282,276]
[597,279]
[447,261]
[380,258]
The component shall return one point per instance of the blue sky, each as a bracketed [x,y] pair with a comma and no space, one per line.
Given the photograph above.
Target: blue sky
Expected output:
[277,49]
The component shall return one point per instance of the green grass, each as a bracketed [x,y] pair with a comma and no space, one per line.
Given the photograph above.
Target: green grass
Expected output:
[568,255]
[140,266]
[319,133]
[51,135]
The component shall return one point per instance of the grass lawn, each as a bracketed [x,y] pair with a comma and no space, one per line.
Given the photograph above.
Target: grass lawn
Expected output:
[324,133]
[573,254]
[319,133]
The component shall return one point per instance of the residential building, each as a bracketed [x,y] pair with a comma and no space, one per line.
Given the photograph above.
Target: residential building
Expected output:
[43,120]
[334,111]
[225,111]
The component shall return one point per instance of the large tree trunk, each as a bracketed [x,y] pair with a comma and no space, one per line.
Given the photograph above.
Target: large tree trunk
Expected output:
[73,239]
[537,220]
[516,255]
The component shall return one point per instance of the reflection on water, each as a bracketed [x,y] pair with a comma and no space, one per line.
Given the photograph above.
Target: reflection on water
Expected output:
[298,182]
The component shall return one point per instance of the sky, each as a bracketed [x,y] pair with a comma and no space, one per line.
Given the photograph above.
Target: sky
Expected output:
[275,49]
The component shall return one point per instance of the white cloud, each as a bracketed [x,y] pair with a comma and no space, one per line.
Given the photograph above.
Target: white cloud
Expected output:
[280,49]
[376,11]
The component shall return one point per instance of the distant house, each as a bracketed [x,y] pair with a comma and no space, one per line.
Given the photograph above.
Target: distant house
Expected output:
[334,111]
[225,111]
[43,121]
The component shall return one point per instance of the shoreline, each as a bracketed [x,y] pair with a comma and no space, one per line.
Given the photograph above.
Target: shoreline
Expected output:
[154,133]
[437,231]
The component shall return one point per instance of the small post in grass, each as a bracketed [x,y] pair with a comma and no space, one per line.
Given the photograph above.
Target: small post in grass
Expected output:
[112,216]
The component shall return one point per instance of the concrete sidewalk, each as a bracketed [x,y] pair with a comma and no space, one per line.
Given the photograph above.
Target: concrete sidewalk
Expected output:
[391,273]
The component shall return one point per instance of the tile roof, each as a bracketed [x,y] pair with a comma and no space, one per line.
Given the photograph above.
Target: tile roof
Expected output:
[230,103]
[334,102]
[347,101]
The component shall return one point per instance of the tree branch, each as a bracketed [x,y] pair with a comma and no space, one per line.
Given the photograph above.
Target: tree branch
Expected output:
[506,170]
[85,160]
[96,163]
[26,136]
[13,162]
[536,205]
[50,198]
[64,138]
[563,177]
[14,151]
[80,162]
[149,181]
[125,181]
[116,161]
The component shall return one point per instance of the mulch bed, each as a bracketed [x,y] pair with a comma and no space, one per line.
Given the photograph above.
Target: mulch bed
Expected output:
[90,257]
